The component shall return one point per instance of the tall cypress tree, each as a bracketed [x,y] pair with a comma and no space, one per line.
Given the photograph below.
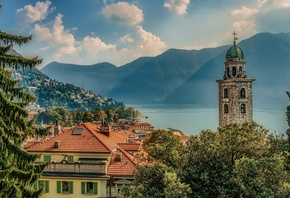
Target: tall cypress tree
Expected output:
[17,169]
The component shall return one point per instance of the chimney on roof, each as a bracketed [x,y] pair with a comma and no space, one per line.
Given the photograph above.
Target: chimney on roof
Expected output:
[105,128]
[56,130]
[56,144]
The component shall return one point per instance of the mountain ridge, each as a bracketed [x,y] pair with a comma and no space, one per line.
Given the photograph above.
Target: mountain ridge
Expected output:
[188,76]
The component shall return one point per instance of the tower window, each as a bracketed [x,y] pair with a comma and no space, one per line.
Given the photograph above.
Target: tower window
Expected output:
[243,93]
[228,71]
[226,93]
[241,71]
[226,108]
[243,108]
[234,71]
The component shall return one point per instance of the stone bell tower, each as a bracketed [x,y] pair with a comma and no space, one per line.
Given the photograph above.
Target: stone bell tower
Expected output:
[235,90]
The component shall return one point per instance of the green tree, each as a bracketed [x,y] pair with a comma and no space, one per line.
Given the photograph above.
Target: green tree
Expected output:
[156,180]
[88,117]
[288,120]
[211,164]
[17,169]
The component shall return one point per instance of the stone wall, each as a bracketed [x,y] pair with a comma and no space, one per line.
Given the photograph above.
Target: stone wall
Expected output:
[234,101]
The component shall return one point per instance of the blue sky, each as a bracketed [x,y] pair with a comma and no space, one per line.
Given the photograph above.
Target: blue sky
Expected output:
[93,31]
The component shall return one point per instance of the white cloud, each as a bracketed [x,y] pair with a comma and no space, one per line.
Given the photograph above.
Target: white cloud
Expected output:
[74,28]
[243,13]
[245,28]
[126,39]
[179,7]
[123,12]
[42,33]
[94,45]
[34,13]
[274,4]
[149,44]
[61,40]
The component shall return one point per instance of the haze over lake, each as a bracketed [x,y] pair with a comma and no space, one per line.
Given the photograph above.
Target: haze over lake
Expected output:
[191,119]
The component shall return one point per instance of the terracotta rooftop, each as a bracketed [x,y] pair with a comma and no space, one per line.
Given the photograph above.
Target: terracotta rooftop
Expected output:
[130,146]
[126,166]
[184,137]
[91,140]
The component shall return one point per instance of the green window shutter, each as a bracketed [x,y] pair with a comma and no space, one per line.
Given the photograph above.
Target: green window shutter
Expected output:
[35,186]
[47,158]
[58,186]
[70,184]
[95,188]
[46,186]
[70,158]
[83,187]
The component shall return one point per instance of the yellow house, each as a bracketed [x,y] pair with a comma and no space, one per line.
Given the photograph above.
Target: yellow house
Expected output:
[86,161]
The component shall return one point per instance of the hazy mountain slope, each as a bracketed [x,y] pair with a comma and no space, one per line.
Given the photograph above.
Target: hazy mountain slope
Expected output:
[268,59]
[94,77]
[158,77]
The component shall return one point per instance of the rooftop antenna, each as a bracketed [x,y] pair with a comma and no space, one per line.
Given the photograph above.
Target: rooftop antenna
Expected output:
[235,38]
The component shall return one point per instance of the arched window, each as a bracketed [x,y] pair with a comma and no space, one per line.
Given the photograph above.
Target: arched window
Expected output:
[234,71]
[226,93]
[243,108]
[243,93]
[228,71]
[226,108]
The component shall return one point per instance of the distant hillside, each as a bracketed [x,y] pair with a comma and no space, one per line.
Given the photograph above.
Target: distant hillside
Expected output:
[267,60]
[51,93]
[186,76]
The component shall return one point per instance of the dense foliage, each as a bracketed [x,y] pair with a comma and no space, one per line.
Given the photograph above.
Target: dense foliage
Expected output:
[72,118]
[17,170]
[235,161]
[51,93]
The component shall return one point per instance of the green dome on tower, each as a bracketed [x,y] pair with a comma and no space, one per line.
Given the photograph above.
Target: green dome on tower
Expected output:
[235,52]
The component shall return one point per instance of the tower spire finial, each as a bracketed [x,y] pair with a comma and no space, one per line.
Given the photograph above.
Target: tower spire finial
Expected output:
[235,38]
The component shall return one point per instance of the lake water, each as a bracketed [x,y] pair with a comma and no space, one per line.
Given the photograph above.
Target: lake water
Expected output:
[192,119]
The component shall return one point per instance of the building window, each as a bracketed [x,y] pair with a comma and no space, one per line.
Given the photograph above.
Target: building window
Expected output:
[234,71]
[41,184]
[226,93]
[243,108]
[46,158]
[228,71]
[226,108]
[243,93]
[89,188]
[65,187]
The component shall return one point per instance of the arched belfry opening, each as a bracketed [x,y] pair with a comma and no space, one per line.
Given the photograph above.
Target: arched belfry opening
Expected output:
[238,106]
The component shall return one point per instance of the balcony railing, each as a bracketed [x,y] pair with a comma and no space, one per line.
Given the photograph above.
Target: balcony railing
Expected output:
[77,167]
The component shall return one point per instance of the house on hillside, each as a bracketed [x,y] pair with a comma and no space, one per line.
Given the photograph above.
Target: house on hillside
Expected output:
[88,159]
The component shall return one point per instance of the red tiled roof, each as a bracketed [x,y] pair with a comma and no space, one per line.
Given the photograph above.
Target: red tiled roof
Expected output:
[184,137]
[126,166]
[130,146]
[91,140]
